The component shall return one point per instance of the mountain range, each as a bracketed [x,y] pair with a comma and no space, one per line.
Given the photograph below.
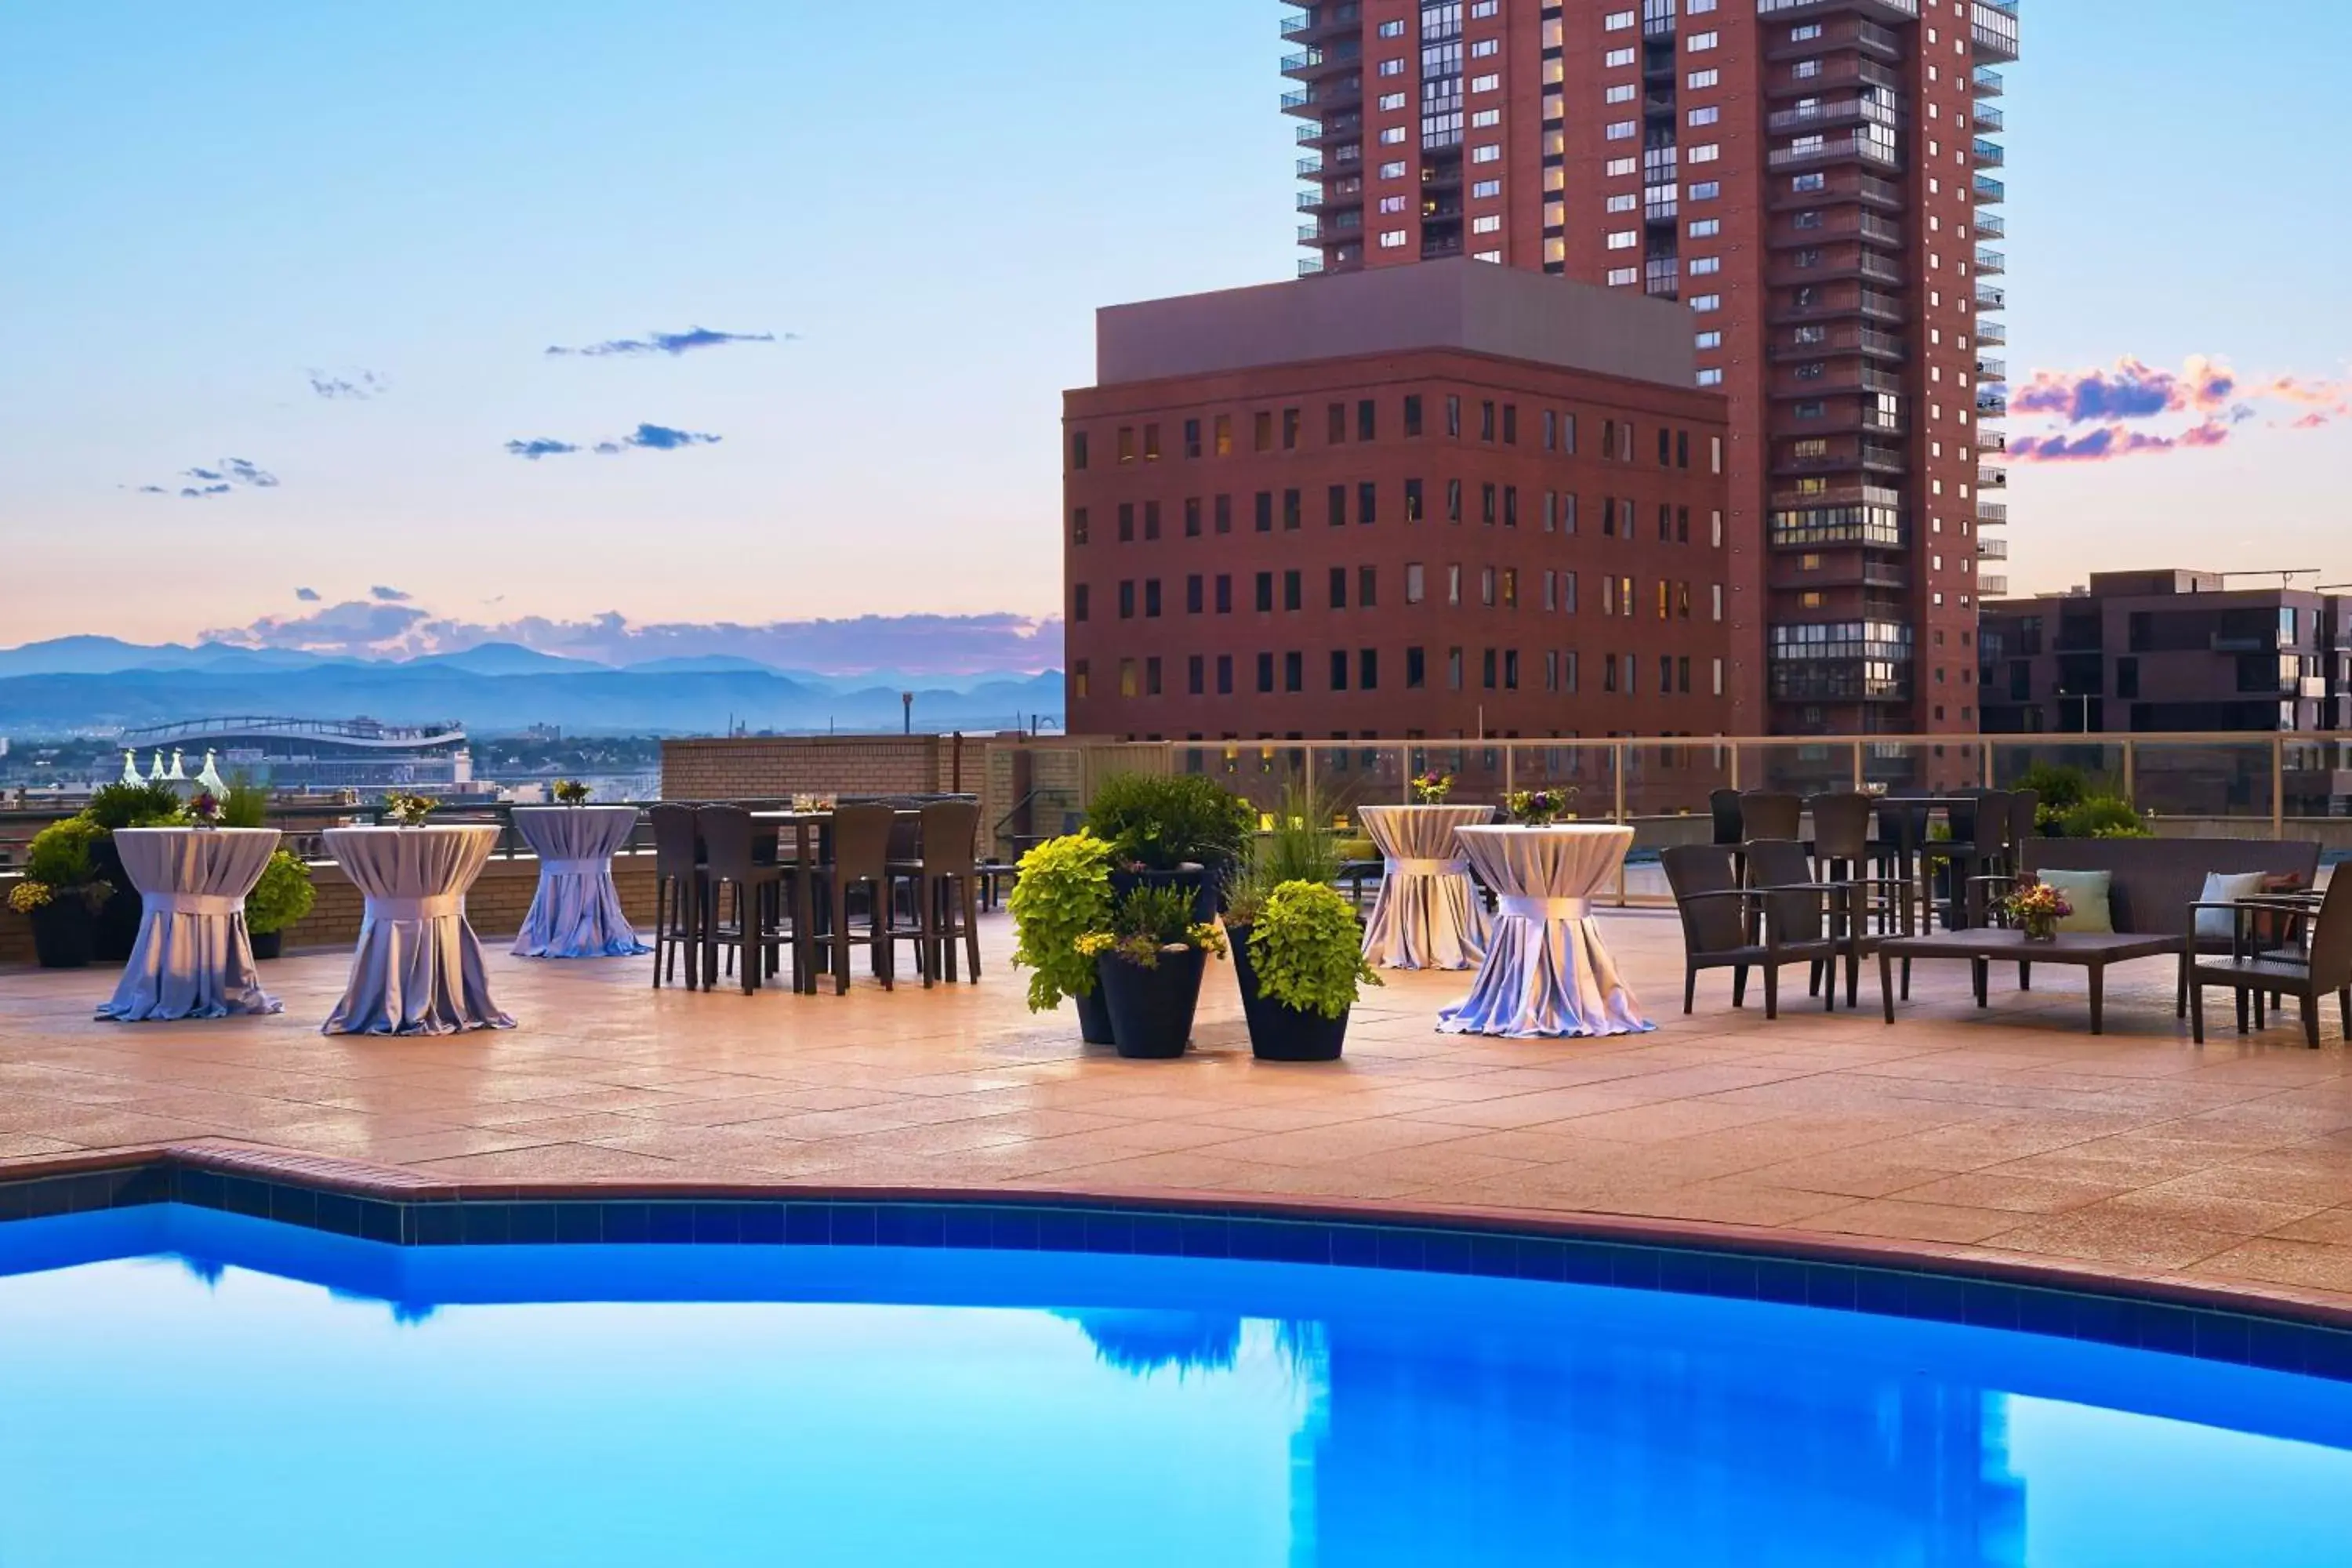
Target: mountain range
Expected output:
[79,684]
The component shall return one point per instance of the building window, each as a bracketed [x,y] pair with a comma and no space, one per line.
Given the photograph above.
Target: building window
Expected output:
[1367,669]
[1293,422]
[1294,589]
[1265,672]
[1294,672]
[1130,682]
[1416,669]
[1366,502]
[1413,583]
[1078,682]
[1078,526]
[1293,510]
[1413,413]
[1339,587]
[1412,501]
[1225,594]
[1335,505]
[1453,415]
[1078,601]
[1338,669]
[1195,676]
[1454,669]
[1224,675]
[1151,519]
[1127,600]
[1151,599]
[1266,593]
[1079,451]
[1224,434]
[1710,378]
[1196,594]
[1366,586]
[1151,677]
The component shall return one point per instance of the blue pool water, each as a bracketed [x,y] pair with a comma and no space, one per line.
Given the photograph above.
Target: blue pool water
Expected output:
[185,1387]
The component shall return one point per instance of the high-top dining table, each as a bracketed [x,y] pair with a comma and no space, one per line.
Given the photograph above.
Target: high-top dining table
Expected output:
[193,958]
[576,911]
[1428,914]
[804,824]
[1547,973]
[418,969]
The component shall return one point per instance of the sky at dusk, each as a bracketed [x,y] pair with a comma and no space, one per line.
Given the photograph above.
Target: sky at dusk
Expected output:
[284,285]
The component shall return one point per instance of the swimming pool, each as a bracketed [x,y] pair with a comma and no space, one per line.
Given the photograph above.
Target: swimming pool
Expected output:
[195,1387]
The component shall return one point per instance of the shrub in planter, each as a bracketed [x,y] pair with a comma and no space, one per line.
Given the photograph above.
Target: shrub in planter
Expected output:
[62,892]
[1172,830]
[2103,816]
[247,805]
[1149,963]
[1301,965]
[280,899]
[1062,894]
[123,806]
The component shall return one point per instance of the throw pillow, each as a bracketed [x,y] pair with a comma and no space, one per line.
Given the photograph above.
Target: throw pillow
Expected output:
[2223,887]
[2087,892]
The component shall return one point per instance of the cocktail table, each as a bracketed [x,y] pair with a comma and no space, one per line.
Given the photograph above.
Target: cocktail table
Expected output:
[2090,951]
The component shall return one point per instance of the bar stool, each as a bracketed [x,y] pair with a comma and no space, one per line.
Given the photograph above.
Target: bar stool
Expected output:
[677,891]
[733,862]
[860,858]
[945,877]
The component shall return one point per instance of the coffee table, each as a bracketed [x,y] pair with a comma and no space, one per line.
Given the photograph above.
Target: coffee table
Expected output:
[2089,951]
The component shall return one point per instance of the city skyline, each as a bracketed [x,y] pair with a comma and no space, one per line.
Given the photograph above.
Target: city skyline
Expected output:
[546,337]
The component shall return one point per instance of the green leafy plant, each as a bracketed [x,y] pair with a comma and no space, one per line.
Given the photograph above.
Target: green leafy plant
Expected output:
[59,863]
[2058,787]
[247,805]
[1307,949]
[283,897]
[2104,816]
[572,792]
[1162,821]
[132,806]
[1062,892]
[1296,847]
[1150,922]
[406,810]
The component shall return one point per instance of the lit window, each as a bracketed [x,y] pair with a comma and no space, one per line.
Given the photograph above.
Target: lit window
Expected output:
[1617,57]
[1710,378]
[1624,203]
[1393,171]
[1621,276]
[1707,302]
[1700,80]
[1490,224]
[1621,167]
[1624,239]
[1392,239]
[1489,153]
[1486,83]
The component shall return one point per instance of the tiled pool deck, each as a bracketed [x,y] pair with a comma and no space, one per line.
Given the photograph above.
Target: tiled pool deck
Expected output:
[2012,1135]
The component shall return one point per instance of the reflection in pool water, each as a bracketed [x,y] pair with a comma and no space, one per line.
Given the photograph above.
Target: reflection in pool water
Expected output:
[196,1389]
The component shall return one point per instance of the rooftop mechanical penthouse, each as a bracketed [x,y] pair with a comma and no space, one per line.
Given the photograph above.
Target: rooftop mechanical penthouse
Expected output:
[1437,501]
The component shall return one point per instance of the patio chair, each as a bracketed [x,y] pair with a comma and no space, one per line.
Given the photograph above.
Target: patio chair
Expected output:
[1766,815]
[2324,969]
[1875,906]
[1723,806]
[1727,926]
[751,929]
[677,892]
[860,858]
[945,877]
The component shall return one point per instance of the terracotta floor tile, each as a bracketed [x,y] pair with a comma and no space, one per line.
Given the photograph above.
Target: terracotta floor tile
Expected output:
[1905,1220]
[2011,1194]
[2330,1226]
[1366,1141]
[2205,1211]
[2135,1241]
[2284,1262]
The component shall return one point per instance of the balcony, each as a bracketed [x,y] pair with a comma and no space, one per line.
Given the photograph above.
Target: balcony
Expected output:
[1842,184]
[1307,64]
[1321,22]
[1322,99]
[1989,82]
[1818,116]
[1886,10]
[1992,406]
[1991,586]
[1987,117]
[1863,340]
[1992,332]
[1990,189]
[1834,75]
[1991,299]
[1831,149]
[1843,377]
[1867,37]
[1345,192]
[1309,266]
[1992,479]
[1992,26]
[1991,369]
[1991,225]
[1989,154]
[1346,227]
[1323,132]
[1992,549]
[1992,514]
[1992,443]
[1659,203]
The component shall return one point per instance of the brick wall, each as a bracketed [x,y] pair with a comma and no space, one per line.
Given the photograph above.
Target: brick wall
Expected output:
[753,767]
[496,906]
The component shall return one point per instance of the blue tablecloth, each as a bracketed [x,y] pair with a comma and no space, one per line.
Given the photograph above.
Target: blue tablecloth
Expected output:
[418,969]
[193,958]
[576,913]
[1547,970]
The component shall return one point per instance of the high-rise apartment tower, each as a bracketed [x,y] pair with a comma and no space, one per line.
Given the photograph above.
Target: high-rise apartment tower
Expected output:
[1816,180]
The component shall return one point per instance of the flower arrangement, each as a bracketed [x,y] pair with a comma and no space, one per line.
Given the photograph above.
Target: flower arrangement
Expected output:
[572,792]
[26,897]
[2036,908]
[204,809]
[402,809]
[1432,787]
[1539,807]
[1151,921]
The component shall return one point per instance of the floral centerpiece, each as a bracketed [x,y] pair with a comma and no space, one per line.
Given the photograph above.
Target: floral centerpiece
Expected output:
[204,809]
[1432,787]
[402,809]
[2035,909]
[572,792]
[1539,807]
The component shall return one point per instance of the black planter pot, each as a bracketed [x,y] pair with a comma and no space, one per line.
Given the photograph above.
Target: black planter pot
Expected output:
[1197,879]
[268,944]
[1151,1009]
[61,934]
[1094,1017]
[114,930]
[1280,1033]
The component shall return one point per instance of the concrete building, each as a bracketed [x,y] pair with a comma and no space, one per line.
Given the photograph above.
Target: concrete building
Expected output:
[1815,181]
[1449,500]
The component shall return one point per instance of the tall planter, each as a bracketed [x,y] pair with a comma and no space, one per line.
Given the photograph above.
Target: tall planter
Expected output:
[1279,1032]
[1094,1017]
[62,931]
[1151,1009]
[114,929]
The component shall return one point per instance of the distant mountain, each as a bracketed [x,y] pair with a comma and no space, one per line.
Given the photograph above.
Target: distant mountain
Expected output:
[710,663]
[112,655]
[505,658]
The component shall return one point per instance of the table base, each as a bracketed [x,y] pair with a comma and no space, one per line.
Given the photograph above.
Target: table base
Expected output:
[1547,979]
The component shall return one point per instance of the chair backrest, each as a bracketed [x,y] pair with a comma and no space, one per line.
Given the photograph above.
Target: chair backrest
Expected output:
[1961,815]
[726,833]
[2154,880]
[950,831]
[673,840]
[1764,815]
[1709,925]
[1781,863]
[1996,822]
[1840,826]
[2024,812]
[1901,824]
[861,842]
[2331,936]
[1723,805]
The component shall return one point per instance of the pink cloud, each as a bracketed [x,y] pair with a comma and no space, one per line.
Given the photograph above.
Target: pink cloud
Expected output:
[2114,397]
[2112,441]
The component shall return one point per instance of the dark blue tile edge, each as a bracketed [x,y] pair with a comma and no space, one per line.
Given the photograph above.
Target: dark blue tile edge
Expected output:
[2246,1339]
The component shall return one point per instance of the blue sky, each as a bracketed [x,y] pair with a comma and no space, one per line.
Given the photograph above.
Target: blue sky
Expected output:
[209,202]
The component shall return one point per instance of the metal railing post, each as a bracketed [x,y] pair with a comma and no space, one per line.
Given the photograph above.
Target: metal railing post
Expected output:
[1510,769]
[2278,786]
[1310,775]
[2131,772]
[1857,767]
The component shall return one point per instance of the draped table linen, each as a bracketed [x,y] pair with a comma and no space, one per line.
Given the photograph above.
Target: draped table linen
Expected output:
[418,969]
[1547,972]
[576,911]
[193,958]
[1428,914]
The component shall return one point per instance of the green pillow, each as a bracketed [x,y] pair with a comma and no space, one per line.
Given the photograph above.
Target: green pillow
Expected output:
[2087,892]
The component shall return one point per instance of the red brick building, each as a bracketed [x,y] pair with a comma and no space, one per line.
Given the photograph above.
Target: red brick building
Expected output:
[1814,180]
[1441,502]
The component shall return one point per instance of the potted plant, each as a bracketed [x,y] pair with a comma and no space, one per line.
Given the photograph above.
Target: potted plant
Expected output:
[1171,830]
[116,929]
[1062,892]
[62,893]
[204,809]
[247,805]
[280,899]
[1150,963]
[1300,961]
[572,792]
[1539,807]
[1432,788]
[402,809]
[2035,909]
